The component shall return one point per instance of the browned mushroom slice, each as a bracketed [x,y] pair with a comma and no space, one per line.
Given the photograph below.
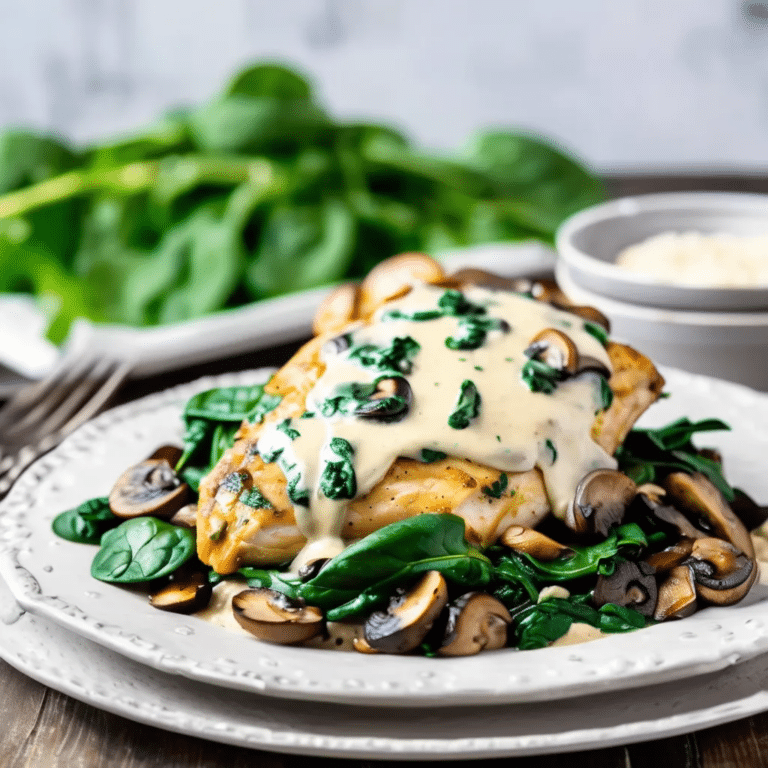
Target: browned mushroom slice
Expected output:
[409,617]
[186,595]
[635,384]
[556,349]
[533,543]
[186,517]
[479,277]
[171,453]
[394,277]
[600,501]
[722,573]
[338,309]
[271,616]
[590,314]
[697,495]
[671,557]
[476,622]
[631,584]
[390,402]
[149,488]
[677,595]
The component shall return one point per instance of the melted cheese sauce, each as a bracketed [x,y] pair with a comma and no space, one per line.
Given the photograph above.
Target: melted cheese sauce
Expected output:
[515,430]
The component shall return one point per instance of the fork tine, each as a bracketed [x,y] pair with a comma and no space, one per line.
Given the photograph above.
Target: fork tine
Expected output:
[40,393]
[65,396]
[111,382]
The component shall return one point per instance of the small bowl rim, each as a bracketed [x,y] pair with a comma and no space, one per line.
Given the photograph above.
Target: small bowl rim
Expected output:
[616,277]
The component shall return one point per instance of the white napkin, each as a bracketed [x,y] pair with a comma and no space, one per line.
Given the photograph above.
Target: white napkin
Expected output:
[23,347]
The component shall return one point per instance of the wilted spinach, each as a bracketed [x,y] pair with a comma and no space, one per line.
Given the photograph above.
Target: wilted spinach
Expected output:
[142,549]
[86,523]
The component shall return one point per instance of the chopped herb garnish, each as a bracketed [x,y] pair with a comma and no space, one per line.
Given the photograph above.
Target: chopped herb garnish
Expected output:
[498,437]
[234,482]
[540,377]
[395,358]
[286,428]
[467,407]
[428,455]
[497,488]
[419,316]
[473,330]
[551,448]
[253,497]
[338,478]
[479,368]
[219,532]
[596,330]
[455,303]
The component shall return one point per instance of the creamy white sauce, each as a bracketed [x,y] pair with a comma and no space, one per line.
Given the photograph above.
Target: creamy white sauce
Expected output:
[694,259]
[516,429]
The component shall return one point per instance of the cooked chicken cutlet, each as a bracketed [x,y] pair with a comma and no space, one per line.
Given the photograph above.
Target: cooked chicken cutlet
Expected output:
[422,393]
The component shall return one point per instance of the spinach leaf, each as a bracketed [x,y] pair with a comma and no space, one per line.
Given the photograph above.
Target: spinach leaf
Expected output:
[496,489]
[467,407]
[597,330]
[86,523]
[540,377]
[547,621]
[624,539]
[367,573]
[393,359]
[473,331]
[649,455]
[428,456]
[231,404]
[142,549]
[253,497]
[338,480]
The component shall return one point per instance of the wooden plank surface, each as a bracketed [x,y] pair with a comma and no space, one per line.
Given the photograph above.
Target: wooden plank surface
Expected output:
[42,728]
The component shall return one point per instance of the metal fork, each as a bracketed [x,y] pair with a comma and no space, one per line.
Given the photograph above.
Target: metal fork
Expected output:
[39,416]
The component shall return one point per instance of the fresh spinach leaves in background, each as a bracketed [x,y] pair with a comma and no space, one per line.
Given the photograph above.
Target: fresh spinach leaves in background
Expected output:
[208,207]
[649,455]
[212,419]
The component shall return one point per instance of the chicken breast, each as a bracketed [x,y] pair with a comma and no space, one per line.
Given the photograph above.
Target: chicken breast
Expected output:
[500,468]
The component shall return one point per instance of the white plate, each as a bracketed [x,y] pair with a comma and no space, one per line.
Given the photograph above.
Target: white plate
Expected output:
[50,577]
[100,677]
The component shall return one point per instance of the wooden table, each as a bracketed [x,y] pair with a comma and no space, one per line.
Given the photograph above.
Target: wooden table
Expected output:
[45,729]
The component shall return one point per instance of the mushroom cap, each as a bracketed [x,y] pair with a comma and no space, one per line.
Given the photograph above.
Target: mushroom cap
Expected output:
[390,402]
[188,594]
[271,616]
[600,501]
[476,621]
[409,617]
[631,584]
[533,543]
[556,349]
[722,573]
[696,494]
[677,595]
[671,557]
[148,488]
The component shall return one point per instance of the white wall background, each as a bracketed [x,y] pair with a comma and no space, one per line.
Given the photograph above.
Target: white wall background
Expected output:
[624,83]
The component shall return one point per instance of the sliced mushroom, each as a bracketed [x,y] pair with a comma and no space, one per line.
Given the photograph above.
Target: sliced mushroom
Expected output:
[471,276]
[390,402]
[722,573]
[394,277]
[476,621]
[697,495]
[149,488]
[186,517]
[272,616]
[600,501]
[309,570]
[171,453]
[336,310]
[533,543]
[671,518]
[671,557]
[556,349]
[631,584]
[752,514]
[677,595]
[409,617]
[185,595]
[588,313]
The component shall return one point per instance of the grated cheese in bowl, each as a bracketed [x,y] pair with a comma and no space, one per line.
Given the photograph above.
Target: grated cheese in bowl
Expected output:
[708,261]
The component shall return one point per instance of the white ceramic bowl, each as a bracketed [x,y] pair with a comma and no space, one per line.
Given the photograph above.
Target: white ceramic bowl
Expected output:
[589,242]
[726,345]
